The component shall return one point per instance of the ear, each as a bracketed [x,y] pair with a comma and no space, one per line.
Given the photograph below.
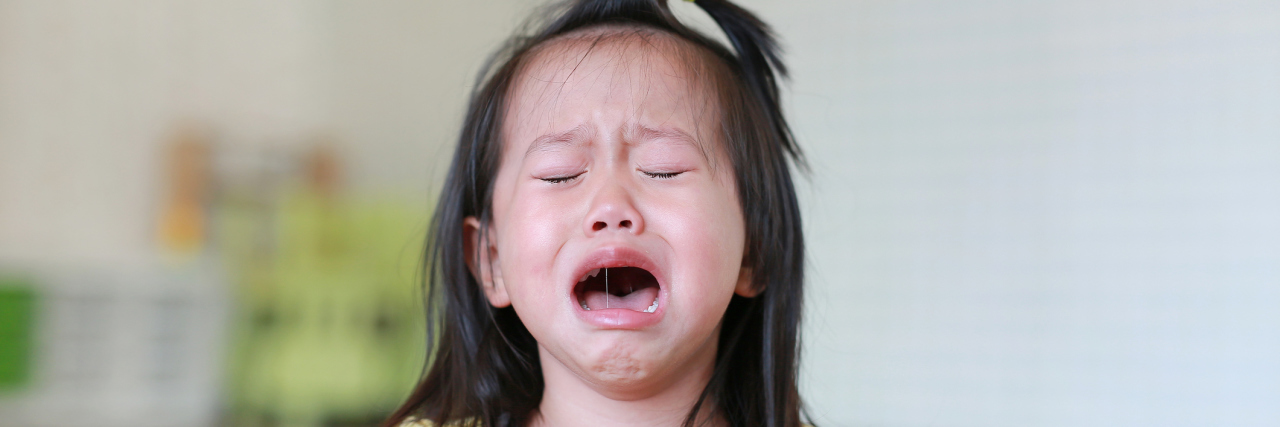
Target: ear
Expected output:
[746,278]
[482,260]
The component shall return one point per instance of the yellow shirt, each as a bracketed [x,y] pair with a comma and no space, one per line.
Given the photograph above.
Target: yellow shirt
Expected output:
[414,422]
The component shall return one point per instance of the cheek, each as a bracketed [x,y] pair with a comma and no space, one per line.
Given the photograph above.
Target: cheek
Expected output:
[707,231]
[533,230]
[526,226]
[527,273]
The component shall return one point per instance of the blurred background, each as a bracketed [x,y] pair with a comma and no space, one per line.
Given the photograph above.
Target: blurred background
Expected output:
[1053,213]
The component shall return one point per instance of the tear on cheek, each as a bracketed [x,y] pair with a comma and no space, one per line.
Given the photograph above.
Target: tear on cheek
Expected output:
[627,288]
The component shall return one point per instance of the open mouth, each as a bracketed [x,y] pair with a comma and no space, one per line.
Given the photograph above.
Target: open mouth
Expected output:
[630,288]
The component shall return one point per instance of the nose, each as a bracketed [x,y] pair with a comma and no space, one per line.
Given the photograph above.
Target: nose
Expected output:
[613,209]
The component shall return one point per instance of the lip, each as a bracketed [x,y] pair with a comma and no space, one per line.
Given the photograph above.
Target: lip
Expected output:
[619,318]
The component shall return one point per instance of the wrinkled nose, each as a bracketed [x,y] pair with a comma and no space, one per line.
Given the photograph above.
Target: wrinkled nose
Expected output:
[613,209]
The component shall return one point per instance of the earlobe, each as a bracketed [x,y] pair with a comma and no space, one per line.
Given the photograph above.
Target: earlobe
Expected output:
[482,260]
[746,283]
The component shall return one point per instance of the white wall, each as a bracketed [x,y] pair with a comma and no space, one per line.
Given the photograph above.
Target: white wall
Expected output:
[90,90]
[1040,213]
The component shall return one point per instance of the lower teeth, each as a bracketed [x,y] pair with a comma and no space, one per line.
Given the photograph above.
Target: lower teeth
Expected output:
[653,307]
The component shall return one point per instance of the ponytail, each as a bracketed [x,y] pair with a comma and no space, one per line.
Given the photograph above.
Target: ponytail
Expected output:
[760,58]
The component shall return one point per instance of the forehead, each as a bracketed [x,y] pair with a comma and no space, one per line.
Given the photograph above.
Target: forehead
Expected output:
[633,77]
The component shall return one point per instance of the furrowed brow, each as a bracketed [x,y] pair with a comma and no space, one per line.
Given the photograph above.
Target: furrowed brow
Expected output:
[552,141]
[645,134]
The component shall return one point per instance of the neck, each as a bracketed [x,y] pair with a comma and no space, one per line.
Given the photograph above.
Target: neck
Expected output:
[568,400]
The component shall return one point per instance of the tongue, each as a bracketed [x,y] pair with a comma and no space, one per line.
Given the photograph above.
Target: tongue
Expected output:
[639,300]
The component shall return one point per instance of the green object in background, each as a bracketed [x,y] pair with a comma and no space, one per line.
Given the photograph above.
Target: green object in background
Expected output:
[329,324]
[17,324]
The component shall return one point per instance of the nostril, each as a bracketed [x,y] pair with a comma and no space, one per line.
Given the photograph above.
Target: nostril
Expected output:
[599,225]
[626,223]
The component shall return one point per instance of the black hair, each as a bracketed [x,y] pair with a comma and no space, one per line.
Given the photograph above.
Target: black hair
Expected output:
[485,369]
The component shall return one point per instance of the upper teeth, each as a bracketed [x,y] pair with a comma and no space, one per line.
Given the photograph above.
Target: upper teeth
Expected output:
[589,274]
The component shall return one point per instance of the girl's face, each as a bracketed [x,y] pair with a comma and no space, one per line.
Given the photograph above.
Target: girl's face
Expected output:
[611,167]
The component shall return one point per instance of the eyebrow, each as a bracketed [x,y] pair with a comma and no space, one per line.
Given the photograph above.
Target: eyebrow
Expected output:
[637,135]
[645,134]
[552,141]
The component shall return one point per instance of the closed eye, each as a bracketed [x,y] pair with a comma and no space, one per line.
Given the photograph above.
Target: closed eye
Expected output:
[662,175]
[561,179]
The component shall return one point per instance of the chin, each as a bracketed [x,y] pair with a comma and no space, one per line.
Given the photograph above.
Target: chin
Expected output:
[621,368]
